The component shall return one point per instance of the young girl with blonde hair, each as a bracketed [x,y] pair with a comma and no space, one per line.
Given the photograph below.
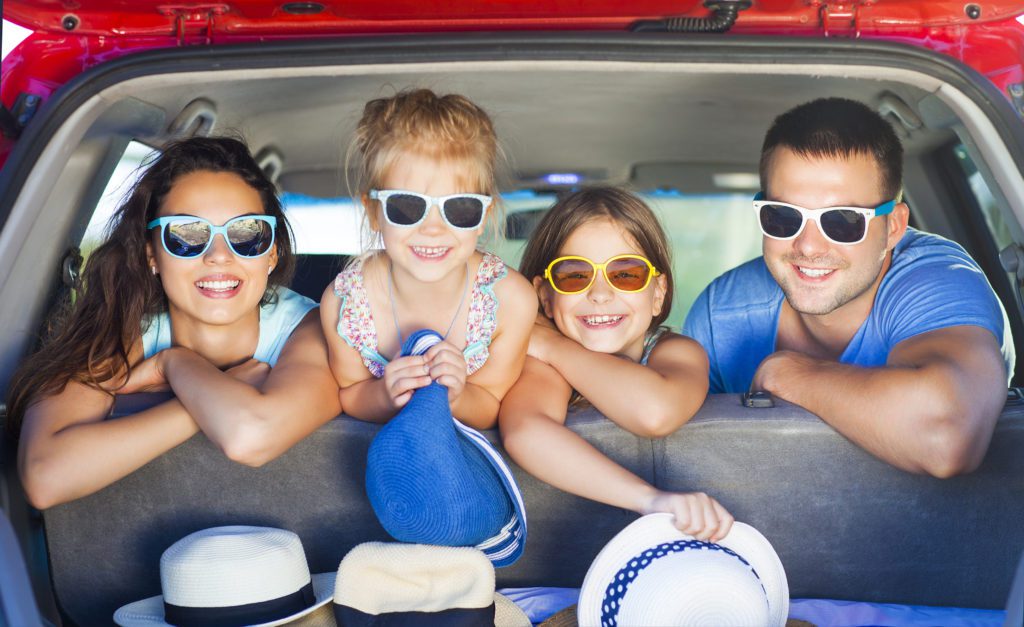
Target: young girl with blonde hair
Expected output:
[600,263]
[426,177]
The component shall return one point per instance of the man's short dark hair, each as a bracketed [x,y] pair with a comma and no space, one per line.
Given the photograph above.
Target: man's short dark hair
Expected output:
[837,127]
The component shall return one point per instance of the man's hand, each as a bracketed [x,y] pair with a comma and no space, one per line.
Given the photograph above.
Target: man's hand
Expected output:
[778,369]
[404,375]
[447,366]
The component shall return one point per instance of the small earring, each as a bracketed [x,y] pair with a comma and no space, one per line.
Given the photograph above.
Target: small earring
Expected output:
[153,270]
[270,270]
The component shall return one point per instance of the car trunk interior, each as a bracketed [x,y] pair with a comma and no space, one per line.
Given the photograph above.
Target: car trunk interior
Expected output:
[649,113]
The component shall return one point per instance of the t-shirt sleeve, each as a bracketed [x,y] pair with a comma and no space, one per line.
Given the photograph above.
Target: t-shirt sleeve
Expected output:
[944,292]
[698,326]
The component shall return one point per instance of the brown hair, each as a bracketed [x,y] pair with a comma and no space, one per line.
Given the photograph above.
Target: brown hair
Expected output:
[90,338]
[622,208]
[448,128]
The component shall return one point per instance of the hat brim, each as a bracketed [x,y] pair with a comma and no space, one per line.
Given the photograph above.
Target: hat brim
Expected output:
[654,529]
[505,547]
[150,612]
[508,614]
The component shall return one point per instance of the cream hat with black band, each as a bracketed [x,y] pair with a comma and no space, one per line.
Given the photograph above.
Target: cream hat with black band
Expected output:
[395,584]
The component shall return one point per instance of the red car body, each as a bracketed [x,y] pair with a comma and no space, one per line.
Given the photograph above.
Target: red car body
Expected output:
[987,35]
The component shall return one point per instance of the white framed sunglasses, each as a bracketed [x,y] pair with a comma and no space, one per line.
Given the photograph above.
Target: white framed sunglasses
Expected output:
[405,208]
[839,225]
[186,236]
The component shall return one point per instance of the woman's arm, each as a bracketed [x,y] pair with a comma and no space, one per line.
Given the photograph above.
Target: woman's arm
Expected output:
[255,424]
[68,449]
[650,401]
[533,432]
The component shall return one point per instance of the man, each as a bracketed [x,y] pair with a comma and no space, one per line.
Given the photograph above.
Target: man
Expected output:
[892,336]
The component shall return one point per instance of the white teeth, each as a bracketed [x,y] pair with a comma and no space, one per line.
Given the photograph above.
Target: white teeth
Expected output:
[815,272]
[605,319]
[217,285]
[430,251]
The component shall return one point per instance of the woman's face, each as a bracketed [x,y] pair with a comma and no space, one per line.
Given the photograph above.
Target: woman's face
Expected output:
[602,318]
[216,287]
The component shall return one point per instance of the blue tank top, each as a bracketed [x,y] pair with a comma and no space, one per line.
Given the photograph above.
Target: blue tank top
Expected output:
[277,321]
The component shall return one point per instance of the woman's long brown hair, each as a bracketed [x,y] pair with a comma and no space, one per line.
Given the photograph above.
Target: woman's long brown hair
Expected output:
[91,338]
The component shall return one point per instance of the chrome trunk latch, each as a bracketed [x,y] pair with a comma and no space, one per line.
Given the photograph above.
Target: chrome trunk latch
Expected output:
[192,18]
[839,18]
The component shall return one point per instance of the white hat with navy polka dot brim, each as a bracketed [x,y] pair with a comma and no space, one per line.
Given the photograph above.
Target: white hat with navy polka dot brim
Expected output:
[653,574]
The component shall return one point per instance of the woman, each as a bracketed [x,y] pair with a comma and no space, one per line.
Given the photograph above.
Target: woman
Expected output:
[186,293]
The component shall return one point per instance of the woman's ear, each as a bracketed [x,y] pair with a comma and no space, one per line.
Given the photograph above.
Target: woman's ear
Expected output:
[545,295]
[660,290]
[273,260]
[151,258]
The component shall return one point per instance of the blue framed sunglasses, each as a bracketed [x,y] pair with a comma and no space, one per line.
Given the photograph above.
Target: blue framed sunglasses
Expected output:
[839,225]
[186,237]
[405,208]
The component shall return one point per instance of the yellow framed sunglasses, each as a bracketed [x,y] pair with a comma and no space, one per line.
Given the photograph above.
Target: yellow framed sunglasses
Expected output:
[625,273]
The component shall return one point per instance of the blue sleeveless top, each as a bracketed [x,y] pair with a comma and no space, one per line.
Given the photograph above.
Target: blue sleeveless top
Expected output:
[277,321]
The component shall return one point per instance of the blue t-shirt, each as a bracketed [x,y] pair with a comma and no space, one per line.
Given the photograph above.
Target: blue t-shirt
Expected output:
[932,284]
[277,321]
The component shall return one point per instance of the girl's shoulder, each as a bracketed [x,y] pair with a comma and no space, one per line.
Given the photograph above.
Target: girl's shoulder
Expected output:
[663,343]
[510,287]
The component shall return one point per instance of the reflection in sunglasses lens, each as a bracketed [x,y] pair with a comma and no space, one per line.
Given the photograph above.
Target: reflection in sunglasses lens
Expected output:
[464,212]
[187,239]
[628,275]
[250,237]
[572,275]
[780,220]
[404,209]
[843,225]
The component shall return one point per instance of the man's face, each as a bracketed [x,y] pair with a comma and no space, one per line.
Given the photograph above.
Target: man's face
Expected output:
[818,276]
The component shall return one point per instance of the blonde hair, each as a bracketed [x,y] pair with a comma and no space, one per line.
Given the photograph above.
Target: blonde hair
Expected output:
[447,128]
[622,208]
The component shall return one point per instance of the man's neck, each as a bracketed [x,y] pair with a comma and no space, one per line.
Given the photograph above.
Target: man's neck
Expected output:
[826,336]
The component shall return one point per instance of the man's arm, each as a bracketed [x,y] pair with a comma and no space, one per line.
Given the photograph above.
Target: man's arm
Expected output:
[931,409]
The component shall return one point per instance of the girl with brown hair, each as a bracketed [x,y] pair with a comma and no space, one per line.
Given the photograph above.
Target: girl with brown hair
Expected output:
[186,293]
[600,263]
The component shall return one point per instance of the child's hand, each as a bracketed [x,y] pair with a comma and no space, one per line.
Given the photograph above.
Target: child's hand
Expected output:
[404,375]
[543,338]
[448,367]
[696,514]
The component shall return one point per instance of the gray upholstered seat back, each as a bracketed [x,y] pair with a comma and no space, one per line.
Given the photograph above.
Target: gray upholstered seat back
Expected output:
[846,525]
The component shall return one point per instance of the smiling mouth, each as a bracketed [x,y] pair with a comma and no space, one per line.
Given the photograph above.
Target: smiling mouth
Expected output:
[225,285]
[602,321]
[430,252]
[815,273]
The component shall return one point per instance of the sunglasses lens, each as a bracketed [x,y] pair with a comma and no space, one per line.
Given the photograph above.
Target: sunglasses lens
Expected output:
[572,275]
[464,212]
[405,209]
[843,226]
[629,274]
[186,238]
[780,220]
[250,237]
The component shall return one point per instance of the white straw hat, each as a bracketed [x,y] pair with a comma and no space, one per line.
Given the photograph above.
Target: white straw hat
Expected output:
[235,575]
[653,574]
[419,584]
